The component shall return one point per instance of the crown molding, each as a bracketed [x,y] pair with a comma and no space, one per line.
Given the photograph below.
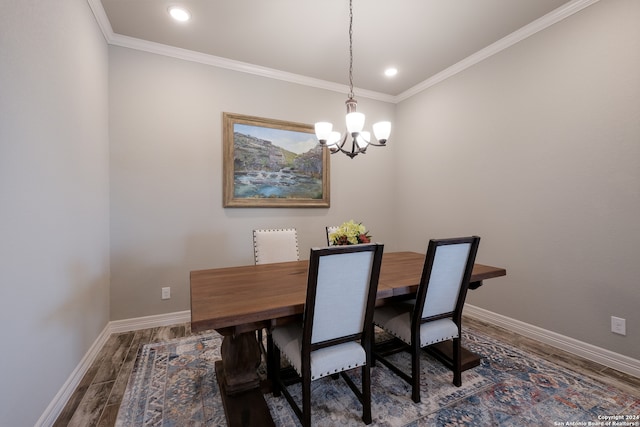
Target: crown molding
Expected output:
[528,30]
[101,19]
[243,67]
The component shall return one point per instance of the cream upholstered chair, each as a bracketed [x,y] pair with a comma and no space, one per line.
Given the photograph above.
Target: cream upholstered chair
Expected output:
[275,245]
[331,229]
[336,332]
[436,313]
[271,246]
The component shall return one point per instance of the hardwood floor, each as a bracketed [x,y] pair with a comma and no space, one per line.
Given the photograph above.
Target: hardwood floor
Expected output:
[96,400]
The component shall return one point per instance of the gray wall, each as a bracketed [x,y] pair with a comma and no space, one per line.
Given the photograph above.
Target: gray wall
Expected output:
[54,244]
[166,175]
[537,150]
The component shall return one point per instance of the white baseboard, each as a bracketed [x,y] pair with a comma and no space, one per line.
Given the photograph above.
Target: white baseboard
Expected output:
[599,355]
[58,403]
[127,325]
[56,406]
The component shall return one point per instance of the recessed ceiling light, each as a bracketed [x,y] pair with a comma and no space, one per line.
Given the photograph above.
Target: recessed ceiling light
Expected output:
[179,13]
[390,72]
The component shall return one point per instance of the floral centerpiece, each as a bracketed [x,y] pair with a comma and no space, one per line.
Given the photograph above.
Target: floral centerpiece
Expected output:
[350,233]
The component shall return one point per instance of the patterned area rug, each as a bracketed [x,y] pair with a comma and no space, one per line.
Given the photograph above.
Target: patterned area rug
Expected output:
[174,384]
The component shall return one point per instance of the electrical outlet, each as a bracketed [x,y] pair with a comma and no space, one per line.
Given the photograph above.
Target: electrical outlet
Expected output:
[618,325]
[166,293]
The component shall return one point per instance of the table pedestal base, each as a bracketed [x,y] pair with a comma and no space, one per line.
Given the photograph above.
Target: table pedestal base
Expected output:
[247,408]
[239,383]
[240,360]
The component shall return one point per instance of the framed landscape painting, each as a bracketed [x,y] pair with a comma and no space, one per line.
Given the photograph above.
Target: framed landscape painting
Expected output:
[273,163]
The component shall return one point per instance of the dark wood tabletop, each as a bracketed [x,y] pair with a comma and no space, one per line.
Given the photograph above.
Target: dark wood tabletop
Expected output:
[230,297]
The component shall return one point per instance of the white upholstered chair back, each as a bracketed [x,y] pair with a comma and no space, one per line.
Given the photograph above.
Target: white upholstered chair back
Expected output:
[435,315]
[275,245]
[336,332]
[341,295]
[330,229]
[446,278]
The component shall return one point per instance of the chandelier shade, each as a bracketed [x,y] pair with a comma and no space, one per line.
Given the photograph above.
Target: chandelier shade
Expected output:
[354,121]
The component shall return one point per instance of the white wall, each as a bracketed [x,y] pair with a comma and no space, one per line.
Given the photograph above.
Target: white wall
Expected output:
[166,175]
[54,244]
[537,150]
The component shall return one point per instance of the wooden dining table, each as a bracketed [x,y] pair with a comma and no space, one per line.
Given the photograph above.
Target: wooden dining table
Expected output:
[237,301]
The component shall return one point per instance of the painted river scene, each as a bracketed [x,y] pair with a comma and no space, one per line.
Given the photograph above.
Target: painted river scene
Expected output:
[276,163]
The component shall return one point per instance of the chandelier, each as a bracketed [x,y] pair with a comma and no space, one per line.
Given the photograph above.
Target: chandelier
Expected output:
[360,140]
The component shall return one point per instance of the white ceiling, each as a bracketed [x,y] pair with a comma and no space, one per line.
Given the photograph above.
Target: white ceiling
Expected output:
[309,38]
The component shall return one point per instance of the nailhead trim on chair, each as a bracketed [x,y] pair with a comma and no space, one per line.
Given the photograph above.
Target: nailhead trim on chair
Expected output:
[429,343]
[291,363]
[325,374]
[337,371]
[274,230]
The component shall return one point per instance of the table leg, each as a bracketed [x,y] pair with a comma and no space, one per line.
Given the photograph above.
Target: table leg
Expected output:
[239,383]
[240,360]
[475,285]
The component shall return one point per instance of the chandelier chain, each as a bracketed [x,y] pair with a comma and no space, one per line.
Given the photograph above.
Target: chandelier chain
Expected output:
[351,49]
[360,140]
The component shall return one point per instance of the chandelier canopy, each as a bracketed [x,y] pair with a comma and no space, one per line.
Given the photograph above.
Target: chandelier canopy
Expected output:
[360,140]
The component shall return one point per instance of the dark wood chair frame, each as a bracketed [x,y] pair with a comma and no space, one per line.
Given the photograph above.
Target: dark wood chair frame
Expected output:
[417,320]
[328,231]
[365,337]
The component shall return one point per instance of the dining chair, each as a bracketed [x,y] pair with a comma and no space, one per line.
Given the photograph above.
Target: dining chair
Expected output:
[275,245]
[271,246]
[330,229]
[336,333]
[436,313]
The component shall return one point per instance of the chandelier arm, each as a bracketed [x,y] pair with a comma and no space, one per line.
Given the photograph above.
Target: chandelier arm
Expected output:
[344,141]
[384,144]
[355,149]
[375,144]
[336,148]
[351,153]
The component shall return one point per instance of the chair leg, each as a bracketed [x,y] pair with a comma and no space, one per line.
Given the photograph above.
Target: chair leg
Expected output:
[259,338]
[372,344]
[275,369]
[457,362]
[366,394]
[306,400]
[415,373]
[270,364]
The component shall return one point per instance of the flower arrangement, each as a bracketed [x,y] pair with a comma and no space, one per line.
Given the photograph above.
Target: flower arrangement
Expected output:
[350,233]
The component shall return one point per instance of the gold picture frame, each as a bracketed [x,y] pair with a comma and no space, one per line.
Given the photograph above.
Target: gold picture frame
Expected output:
[271,163]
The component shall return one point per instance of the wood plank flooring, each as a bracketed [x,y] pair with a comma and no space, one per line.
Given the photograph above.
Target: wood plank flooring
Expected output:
[96,400]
